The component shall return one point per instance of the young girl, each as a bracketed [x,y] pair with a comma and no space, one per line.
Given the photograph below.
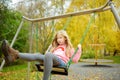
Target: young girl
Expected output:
[60,52]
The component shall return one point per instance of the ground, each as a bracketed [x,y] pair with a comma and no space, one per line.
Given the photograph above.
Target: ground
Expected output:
[88,71]
[77,71]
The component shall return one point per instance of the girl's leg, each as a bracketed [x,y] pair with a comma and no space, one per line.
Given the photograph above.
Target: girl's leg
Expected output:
[49,58]
[31,57]
[11,54]
[49,61]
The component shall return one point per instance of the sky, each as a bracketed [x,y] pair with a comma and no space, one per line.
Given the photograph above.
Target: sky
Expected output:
[15,1]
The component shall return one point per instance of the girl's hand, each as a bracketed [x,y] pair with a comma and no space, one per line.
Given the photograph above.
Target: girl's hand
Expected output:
[79,45]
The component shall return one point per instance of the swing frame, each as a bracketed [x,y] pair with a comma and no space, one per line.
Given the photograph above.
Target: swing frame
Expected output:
[108,6]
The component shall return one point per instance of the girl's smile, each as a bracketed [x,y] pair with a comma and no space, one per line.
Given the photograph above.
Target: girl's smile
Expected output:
[60,39]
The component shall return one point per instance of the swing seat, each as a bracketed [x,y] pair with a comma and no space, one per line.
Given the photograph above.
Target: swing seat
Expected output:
[61,70]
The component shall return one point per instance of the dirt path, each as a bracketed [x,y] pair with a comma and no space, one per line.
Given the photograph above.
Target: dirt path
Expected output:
[88,71]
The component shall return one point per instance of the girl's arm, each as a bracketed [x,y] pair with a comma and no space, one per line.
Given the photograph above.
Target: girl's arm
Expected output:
[77,55]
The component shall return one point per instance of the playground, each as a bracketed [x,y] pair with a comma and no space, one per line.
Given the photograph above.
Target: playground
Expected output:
[79,71]
[31,27]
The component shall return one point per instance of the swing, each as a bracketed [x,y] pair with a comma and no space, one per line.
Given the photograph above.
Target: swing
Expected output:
[56,69]
[63,70]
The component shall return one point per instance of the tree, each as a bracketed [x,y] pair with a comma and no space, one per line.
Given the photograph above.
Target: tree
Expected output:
[10,20]
[104,22]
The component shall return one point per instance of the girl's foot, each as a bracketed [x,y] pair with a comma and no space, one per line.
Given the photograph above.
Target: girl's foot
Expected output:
[10,54]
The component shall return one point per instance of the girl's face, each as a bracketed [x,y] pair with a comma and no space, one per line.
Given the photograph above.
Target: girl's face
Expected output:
[60,39]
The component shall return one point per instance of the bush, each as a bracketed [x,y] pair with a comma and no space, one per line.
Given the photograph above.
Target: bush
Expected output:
[88,54]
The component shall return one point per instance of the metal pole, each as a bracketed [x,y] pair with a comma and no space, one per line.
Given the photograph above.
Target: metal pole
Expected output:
[115,13]
[68,15]
[18,30]
[2,64]
[30,50]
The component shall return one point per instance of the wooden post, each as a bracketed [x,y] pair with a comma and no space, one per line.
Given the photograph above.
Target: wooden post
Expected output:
[95,42]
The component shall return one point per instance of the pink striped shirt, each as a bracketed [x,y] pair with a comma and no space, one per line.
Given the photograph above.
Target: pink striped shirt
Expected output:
[60,52]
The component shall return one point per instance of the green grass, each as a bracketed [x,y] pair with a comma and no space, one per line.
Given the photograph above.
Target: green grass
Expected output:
[116,59]
[14,67]
[17,72]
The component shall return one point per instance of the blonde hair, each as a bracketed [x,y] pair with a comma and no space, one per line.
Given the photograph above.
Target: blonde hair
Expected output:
[67,41]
